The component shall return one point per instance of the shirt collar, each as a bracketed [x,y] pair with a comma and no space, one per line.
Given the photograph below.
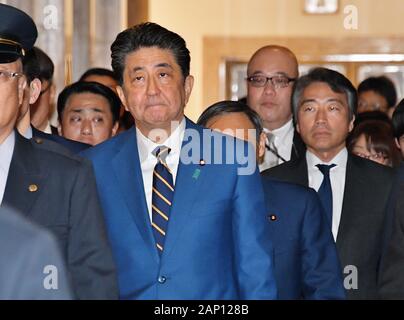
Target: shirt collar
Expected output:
[283,131]
[174,142]
[340,159]
[28,134]
[6,151]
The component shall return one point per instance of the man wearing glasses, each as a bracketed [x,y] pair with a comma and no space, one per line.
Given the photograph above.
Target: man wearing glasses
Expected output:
[55,191]
[270,76]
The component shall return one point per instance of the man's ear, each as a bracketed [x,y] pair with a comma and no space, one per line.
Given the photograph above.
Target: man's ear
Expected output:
[121,95]
[115,128]
[261,146]
[188,85]
[351,123]
[397,143]
[34,90]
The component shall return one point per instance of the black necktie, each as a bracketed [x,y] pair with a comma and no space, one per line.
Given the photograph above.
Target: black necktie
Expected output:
[325,191]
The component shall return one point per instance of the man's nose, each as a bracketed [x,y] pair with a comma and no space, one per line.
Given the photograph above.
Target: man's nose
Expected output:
[86,128]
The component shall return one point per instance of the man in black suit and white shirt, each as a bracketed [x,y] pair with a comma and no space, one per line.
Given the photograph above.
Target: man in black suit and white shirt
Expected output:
[324,103]
[270,75]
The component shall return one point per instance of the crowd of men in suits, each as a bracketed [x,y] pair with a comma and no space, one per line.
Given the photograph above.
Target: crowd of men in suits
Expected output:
[168,208]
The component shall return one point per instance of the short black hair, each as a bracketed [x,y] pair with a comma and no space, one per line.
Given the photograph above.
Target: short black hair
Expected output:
[98,72]
[378,136]
[146,35]
[335,80]
[90,87]
[228,106]
[398,120]
[381,85]
[45,63]
[372,115]
[30,65]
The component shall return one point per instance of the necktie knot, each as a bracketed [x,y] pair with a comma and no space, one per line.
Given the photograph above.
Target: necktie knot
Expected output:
[325,168]
[161,153]
[270,138]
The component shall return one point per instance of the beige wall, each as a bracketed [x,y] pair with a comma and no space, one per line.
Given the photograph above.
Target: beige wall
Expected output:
[196,19]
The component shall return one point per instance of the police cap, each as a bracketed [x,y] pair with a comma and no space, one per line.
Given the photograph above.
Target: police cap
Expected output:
[18,33]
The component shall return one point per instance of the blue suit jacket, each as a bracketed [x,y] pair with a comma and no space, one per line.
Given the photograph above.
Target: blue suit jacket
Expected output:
[216,245]
[306,260]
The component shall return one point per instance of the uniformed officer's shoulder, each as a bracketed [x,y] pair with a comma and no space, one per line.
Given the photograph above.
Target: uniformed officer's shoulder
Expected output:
[53,149]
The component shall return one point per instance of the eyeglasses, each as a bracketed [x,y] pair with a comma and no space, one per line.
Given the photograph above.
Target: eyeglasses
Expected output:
[277,81]
[5,76]
[372,156]
[364,106]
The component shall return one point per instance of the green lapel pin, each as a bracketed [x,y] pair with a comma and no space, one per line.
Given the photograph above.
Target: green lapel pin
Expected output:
[196,174]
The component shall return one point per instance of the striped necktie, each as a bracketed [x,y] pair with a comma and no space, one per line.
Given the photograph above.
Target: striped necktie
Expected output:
[162,195]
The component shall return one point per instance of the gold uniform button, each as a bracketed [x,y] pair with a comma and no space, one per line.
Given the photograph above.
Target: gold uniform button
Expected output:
[272,217]
[38,140]
[33,188]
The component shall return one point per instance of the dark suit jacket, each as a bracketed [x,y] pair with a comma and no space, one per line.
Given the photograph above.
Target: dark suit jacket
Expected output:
[367,188]
[298,147]
[391,280]
[73,146]
[305,256]
[30,257]
[59,193]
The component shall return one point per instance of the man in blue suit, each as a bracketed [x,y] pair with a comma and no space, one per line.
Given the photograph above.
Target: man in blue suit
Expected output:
[185,220]
[306,260]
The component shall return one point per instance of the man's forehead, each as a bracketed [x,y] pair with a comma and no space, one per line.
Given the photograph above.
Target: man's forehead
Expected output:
[323,92]
[274,61]
[15,66]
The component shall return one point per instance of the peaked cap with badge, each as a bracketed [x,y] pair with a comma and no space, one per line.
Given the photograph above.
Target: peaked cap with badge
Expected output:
[18,33]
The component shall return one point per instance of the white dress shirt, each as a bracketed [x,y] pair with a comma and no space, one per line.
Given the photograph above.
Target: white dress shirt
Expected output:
[283,143]
[6,154]
[48,128]
[337,178]
[28,134]
[148,161]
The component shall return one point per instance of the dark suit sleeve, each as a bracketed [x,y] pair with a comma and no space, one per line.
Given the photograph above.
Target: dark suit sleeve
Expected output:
[322,274]
[391,277]
[253,248]
[89,255]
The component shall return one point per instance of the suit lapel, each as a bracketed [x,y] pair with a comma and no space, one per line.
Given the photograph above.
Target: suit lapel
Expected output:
[188,181]
[353,192]
[299,173]
[25,180]
[126,166]
[298,147]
